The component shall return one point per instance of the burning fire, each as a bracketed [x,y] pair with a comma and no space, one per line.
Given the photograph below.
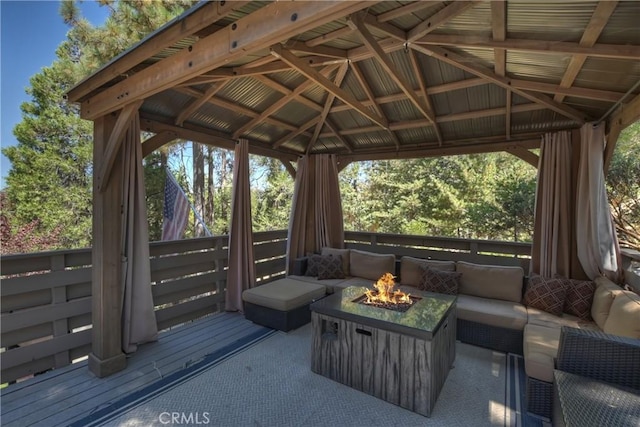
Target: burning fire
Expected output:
[385,293]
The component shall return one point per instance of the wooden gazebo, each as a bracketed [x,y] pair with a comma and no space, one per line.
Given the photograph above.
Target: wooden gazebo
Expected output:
[361,80]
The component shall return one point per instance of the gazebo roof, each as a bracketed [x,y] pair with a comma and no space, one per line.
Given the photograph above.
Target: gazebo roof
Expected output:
[369,80]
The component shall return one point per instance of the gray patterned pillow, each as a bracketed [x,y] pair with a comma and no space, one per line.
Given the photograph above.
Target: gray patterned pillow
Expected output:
[312,265]
[440,281]
[330,267]
[579,297]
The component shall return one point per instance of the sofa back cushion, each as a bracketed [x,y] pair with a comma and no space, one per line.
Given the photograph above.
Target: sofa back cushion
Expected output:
[370,265]
[344,253]
[603,297]
[491,281]
[411,271]
[624,316]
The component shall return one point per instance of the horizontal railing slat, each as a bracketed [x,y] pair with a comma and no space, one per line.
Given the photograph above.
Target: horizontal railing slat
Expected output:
[43,314]
[36,282]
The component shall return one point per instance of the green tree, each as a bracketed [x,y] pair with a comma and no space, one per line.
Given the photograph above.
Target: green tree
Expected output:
[49,183]
[623,187]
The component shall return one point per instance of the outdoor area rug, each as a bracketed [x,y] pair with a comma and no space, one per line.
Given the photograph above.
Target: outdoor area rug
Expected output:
[267,381]
[172,381]
[515,395]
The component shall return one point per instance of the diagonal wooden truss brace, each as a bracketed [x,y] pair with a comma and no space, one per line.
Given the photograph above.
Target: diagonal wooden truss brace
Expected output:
[302,67]
[115,142]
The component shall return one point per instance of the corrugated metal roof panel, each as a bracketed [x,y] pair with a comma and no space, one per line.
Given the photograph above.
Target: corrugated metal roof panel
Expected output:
[400,111]
[545,20]
[608,74]
[437,73]
[477,19]
[537,67]
[249,93]
[622,27]
[295,112]
[416,136]
[407,22]
[379,81]
[371,140]
[539,121]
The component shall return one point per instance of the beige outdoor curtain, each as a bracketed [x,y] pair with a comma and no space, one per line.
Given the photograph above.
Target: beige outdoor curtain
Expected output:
[138,317]
[598,249]
[316,210]
[551,251]
[241,274]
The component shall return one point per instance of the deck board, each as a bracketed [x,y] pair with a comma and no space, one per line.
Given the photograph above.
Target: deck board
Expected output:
[70,393]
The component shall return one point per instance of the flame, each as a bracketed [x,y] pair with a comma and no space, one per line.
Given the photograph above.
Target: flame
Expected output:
[385,293]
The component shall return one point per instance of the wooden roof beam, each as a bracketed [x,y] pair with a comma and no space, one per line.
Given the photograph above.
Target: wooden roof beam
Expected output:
[524,154]
[206,136]
[357,22]
[439,18]
[288,92]
[279,104]
[158,140]
[302,129]
[599,50]
[342,72]
[302,67]
[434,151]
[594,28]
[372,99]
[423,92]
[259,30]
[467,64]
[577,92]
[199,102]
[498,26]
[166,36]
[336,133]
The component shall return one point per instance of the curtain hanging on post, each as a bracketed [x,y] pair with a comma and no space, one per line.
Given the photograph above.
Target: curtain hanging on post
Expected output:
[598,249]
[316,210]
[551,248]
[138,316]
[241,274]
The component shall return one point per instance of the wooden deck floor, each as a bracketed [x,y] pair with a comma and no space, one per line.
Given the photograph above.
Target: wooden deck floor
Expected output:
[65,395]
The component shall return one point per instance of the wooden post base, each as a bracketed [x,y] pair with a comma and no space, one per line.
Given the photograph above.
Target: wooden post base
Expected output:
[104,367]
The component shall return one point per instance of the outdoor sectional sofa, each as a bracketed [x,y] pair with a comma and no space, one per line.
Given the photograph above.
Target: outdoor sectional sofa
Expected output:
[497,307]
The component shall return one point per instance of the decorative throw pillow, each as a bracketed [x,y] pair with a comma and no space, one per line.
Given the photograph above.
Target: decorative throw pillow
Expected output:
[330,267]
[440,281]
[312,264]
[579,297]
[546,294]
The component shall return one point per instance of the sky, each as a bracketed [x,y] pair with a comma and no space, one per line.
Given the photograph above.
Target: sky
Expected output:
[30,33]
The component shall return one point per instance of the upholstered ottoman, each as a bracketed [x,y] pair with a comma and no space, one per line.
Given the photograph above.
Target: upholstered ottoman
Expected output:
[282,304]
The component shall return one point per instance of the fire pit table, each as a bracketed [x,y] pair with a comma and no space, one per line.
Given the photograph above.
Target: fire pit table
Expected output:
[401,357]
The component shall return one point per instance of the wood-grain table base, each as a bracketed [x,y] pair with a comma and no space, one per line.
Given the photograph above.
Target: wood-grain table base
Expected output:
[399,369]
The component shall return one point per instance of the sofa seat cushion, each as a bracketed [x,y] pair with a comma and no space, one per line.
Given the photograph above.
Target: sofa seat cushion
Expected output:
[504,314]
[370,265]
[542,318]
[491,281]
[284,294]
[540,348]
[357,281]
[411,272]
[329,284]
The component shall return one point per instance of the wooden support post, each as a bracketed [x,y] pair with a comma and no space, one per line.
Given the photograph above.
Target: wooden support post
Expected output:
[106,355]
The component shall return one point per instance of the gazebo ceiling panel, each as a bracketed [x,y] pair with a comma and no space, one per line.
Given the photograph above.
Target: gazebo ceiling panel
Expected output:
[539,121]
[295,113]
[613,75]
[563,21]
[474,85]
[622,27]
[537,67]
[249,93]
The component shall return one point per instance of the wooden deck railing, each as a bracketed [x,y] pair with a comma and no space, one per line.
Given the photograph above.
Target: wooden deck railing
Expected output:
[45,297]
